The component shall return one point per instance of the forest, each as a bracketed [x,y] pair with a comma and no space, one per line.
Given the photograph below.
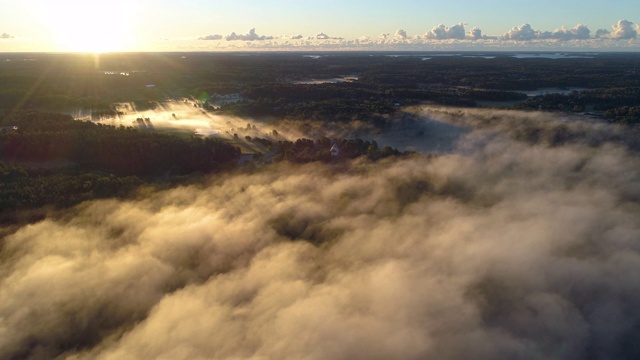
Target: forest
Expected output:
[51,159]
[323,86]
[319,206]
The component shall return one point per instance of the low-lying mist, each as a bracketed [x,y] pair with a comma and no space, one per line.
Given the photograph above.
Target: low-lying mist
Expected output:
[507,247]
[178,115]
[408,131]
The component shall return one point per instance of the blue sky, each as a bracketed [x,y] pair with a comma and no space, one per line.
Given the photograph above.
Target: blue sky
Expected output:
[138,24]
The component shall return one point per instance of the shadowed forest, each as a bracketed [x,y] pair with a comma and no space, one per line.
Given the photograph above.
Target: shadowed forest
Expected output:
[325,86]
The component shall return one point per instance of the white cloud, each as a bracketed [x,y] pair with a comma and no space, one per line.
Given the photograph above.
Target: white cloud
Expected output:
[323,36]
[441,38]
[442,32]
[525,33]
[580,31]
[602,33]
[475,33]
[624,30]
[522,32]
[251,36]
[444,37]
[6,36]
[389,42]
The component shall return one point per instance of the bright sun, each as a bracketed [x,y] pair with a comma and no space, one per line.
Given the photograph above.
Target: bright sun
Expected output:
[91,26]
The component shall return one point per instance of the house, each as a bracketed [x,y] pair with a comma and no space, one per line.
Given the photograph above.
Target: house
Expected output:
[335,151]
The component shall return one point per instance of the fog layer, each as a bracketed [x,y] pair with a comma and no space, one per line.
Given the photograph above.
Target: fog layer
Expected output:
[509,247]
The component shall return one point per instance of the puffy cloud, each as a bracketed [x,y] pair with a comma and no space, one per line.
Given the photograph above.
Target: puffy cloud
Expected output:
[442,32]
[624,30]
[296,37]
[323,36]
[402,259]
[580,31]
[602,33]
[401,34]
[6,36]
[251,36]
[475,33]
[522,32]
[526,32]
[211,37]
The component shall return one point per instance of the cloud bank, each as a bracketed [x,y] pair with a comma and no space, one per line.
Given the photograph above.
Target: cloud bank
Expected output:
[525,32]
[251,36]
[512,246]
[622,37]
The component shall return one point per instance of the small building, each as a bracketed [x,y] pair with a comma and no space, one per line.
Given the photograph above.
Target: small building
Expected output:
[335,151]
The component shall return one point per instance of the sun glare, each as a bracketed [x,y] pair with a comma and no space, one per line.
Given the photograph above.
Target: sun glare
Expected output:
[91,26]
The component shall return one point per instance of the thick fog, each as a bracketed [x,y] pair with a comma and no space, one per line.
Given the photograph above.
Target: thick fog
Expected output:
[508,247]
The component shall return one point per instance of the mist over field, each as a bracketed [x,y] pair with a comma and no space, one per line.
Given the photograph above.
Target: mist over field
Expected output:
[522,242]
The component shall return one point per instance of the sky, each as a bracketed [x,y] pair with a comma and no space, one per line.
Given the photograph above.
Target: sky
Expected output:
[145,25]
